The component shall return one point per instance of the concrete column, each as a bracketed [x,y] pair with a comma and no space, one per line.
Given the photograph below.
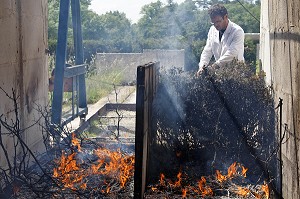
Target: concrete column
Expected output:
[23,66]
[280,49]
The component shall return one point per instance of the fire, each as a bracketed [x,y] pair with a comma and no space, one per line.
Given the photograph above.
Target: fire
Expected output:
[162,180]
[184,192]
[244,171]
[266,190]
[205,190]
[242,191]
[117,165]
[178,182]
[110,164]
[69,172]
[231,170]
[75,142]
[221,178]
[205,186]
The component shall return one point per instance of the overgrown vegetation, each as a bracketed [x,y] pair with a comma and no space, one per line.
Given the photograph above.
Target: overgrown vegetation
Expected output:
[100,85]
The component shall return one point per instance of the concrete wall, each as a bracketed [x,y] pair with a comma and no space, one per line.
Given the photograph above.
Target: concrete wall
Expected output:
[280,42]
[126,63]
[23,66]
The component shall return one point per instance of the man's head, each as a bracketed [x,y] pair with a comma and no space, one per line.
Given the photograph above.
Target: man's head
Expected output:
[218,16]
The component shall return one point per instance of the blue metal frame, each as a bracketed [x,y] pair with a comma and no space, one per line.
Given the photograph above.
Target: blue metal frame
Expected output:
[76,72]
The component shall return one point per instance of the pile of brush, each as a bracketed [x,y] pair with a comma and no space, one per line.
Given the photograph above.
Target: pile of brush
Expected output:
[203,124]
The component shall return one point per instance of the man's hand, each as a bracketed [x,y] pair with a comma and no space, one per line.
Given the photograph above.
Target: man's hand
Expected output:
[200,71]
[215,66]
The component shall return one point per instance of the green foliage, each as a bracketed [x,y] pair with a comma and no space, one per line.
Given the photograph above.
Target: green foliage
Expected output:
[240,16]
[250,53]
[162,26]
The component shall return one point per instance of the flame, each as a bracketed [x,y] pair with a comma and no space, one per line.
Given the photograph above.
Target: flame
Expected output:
[266,190]
[231,170]
[117,166]
[68,171]
[162,180]
[243,191]
[178,182]
[112,164]
[244,171]
[220,177]
[201,183]
[205,190]
[204,187]
[153,188]
[184,192]
[75,142]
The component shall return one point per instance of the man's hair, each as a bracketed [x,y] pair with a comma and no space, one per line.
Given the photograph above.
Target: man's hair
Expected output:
[217,10]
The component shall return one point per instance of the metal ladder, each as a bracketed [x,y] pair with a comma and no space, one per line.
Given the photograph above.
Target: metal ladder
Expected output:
[76,72]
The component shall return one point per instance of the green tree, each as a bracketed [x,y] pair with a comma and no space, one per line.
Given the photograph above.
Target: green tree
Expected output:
[185,25]
[117,33]
[162,26]
[240,14]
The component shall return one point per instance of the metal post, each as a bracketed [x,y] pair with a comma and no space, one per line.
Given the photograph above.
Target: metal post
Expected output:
[61,51]
[139,134]
[79,58]
[280,144]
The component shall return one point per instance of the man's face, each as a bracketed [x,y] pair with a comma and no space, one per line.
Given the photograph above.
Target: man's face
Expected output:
[219,22]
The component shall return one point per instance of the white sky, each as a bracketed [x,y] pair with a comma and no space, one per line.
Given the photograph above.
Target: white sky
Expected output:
[131,8]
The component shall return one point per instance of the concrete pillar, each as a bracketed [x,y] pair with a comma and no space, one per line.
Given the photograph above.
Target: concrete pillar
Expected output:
[23,67]
[280,47]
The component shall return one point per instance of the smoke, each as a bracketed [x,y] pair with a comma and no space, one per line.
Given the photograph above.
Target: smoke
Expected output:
[172,94]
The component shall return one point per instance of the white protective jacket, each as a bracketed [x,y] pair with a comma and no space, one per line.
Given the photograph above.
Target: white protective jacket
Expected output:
[230,47]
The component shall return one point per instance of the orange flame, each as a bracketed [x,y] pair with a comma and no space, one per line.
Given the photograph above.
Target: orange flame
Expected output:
[201,183]
[220,177]
[243,191]
[162,180]
[231,170]
[266,190]
[68,171]
[178,182]
[75,142]
[244,171]
[114,164]
[205,190]
[184,193]
[118,165]
[153,188]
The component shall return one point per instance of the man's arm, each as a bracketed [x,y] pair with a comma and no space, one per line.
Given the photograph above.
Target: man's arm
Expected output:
[234,48]
[207,52]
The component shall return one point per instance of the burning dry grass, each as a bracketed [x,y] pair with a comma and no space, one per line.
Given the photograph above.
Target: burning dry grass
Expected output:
[83,170]
[232,185]
[103,172]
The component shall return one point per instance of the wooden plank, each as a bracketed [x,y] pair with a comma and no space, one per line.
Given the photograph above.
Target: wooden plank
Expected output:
[146,87]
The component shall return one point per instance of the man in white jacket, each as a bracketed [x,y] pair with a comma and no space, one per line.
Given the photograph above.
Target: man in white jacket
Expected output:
[225,40]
